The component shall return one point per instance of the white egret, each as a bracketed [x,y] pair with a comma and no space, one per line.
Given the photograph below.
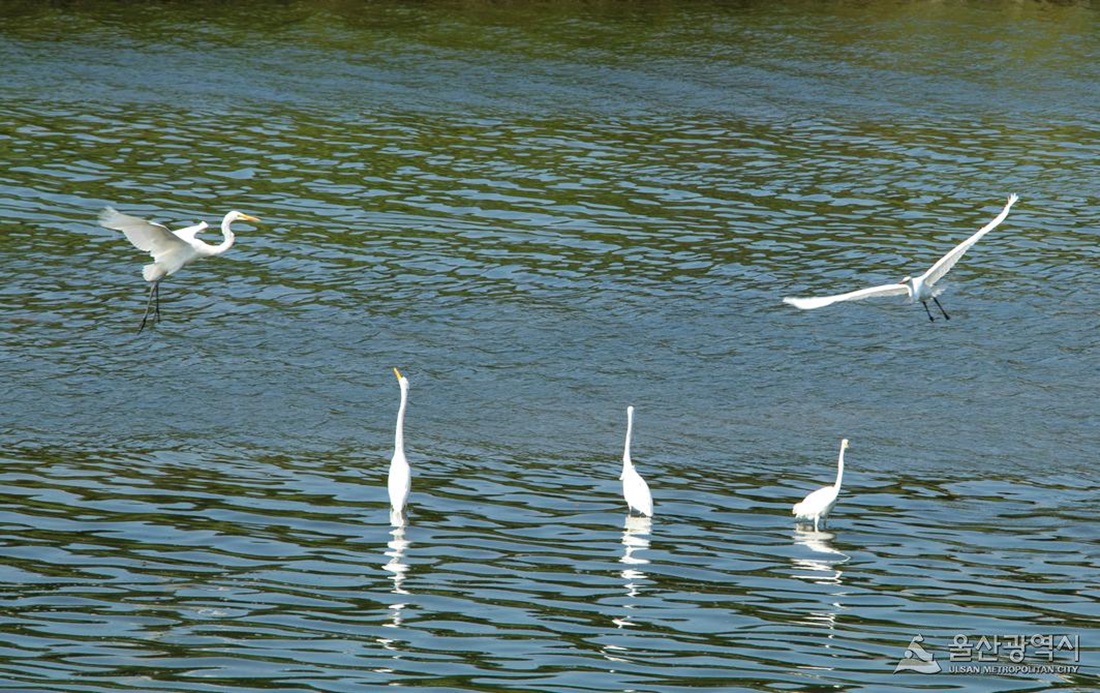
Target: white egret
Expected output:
[400,479]
[171,250]
[817,505]
[635,489]
[919,288]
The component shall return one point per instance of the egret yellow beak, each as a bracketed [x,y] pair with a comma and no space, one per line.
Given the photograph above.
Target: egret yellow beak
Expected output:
[397,373]
[248,217]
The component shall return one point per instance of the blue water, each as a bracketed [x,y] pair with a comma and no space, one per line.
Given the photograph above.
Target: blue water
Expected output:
[543,214]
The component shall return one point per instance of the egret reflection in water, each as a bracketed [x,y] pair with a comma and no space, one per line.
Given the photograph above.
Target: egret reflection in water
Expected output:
[396,553]
[398,569]
[635,538]
[821,566]
[824,558]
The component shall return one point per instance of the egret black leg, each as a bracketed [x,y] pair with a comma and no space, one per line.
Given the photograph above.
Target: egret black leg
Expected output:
[945,315]
[154,293]
[925,304]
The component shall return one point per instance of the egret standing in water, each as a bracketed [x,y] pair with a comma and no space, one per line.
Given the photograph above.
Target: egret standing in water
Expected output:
[919,288]
[171,250]
[635,489]
[400,478]
[817,505]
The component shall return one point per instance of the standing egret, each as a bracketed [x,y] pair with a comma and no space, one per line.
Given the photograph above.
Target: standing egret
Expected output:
[817,505]
[635,489]
[400,473]
[919,288]
[171,250]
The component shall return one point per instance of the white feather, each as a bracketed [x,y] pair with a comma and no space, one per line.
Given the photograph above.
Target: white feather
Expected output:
[635,489]
[400,476]
[822,301]
[918,288]
[818,504]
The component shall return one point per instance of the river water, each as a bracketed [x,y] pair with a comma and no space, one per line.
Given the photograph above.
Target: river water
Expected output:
[542,213]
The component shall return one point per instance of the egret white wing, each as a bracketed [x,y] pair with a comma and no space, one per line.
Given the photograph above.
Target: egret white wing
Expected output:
[399,482]
[155,239]
[870,292]
[188,234]
[823,499]
[636,493]
[945,263]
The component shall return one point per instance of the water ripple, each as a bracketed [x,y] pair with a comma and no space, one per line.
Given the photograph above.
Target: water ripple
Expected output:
[543,215]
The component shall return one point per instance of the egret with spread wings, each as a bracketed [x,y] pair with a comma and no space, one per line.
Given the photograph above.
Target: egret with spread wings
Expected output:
[171,250]
[920,288]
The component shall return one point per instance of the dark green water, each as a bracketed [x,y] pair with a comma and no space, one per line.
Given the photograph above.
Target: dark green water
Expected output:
[543,213]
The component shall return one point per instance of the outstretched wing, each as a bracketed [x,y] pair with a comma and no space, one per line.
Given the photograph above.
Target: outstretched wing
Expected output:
[155,239]
[188,234]
[870,292]
[945,263]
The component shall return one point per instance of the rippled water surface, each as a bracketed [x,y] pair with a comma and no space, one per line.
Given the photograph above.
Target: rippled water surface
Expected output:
[543,213]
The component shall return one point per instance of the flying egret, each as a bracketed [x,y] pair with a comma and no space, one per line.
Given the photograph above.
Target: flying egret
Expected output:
[817,505]
[635,489]
[919,288]
[400,473]
[171,250]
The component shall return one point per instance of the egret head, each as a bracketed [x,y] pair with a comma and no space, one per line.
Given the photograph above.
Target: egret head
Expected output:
[844,444]
[401,380]
[241,216]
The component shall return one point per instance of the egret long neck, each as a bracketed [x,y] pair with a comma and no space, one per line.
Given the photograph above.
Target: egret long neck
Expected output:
[840,468]
[629,433]
[399,434]
[227,237]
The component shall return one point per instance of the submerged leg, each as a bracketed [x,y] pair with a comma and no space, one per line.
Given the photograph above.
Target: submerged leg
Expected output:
[945,315]
[925,304]
[154,293]
[397,518]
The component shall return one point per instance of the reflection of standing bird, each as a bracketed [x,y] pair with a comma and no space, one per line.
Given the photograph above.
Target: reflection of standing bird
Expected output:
[395,565]
[400,479]
[817,505]
[635,489]
[171,250]
[919,288]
